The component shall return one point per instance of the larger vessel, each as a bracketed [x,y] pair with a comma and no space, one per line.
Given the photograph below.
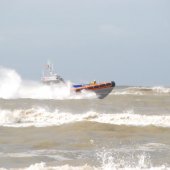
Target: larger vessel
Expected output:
[49,76]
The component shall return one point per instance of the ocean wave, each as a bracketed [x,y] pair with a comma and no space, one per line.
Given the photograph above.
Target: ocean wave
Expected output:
[156,90]
[12,87]
[40,117]
[43,166]
[108,161]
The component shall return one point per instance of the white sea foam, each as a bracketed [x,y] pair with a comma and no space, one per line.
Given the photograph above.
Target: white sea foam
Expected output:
[157,90]
[161,89]
[41,117]
[43,166]
[54,154]
[108,161]
[115,160]
[10,83]
[128,91]
[12,86]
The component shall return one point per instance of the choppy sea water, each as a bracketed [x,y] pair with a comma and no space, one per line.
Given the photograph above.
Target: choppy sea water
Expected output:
[48,128]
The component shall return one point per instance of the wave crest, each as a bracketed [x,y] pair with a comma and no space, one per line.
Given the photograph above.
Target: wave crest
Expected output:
[157,90]
[109,161]
[40,117]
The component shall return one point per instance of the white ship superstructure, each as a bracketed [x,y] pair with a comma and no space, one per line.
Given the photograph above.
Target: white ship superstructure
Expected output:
[49,76]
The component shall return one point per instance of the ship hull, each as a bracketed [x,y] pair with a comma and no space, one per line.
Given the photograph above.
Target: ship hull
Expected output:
[51,82]
[102,93]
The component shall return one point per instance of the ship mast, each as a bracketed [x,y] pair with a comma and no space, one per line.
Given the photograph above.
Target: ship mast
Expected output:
[49,71]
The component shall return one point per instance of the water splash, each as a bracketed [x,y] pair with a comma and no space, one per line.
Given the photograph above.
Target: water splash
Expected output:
[108,160]
[12,86]
[111,160]
[10,83]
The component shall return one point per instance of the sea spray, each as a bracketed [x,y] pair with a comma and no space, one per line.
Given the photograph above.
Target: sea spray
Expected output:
[12,86]
[10,83]
[112,160]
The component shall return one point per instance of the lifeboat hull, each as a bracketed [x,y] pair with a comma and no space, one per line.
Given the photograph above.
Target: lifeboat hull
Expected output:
[101,89]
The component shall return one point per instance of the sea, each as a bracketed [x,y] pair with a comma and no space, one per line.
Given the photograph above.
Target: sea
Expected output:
[52,128]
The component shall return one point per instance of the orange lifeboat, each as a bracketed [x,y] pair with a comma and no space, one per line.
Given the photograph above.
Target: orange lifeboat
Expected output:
[101,89]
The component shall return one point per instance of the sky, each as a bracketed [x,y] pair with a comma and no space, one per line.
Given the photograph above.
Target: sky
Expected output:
[127,41]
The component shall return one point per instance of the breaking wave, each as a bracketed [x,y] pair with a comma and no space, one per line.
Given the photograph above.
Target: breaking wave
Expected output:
[107,161]
[43,166]
[157,90]
[12,86]
[40,117]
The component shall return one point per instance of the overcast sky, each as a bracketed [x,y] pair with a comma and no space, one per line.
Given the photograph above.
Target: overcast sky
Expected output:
[123,40]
